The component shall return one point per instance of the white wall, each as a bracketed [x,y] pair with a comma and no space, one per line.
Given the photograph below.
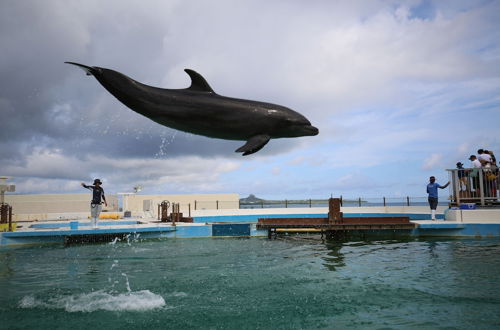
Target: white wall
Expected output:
[49,206]
[474,216]
[135,203]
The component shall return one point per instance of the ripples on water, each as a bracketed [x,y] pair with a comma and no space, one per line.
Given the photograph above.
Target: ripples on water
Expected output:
[294,282]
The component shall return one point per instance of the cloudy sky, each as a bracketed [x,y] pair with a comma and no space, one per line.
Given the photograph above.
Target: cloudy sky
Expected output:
[399,90]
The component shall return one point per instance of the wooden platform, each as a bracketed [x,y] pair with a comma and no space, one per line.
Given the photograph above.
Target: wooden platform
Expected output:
[335,223]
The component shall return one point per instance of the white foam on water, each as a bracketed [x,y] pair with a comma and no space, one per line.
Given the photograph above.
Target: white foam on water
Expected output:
[179,294]
[143,300]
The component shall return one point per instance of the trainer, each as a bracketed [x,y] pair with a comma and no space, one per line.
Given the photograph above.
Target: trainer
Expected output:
[97,200]
[432,190]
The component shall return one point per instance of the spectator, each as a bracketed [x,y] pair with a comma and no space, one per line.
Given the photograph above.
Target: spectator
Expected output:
[483,157]
[432,190]
[474,174]
[462,176]
[492,156]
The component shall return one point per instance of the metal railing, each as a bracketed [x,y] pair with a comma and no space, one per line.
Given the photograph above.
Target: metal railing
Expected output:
[196,205]
[474,185]
[345,202]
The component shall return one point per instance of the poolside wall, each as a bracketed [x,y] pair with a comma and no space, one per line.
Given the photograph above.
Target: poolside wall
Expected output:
[27,207]
[317,210]
[474,216]
[54,206]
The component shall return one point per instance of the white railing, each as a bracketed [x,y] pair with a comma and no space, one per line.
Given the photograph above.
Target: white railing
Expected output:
[474,185]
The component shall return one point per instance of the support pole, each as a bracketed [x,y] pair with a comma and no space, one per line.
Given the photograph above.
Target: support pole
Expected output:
[10,218]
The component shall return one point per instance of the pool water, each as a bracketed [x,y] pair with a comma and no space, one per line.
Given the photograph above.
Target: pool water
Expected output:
[253,283]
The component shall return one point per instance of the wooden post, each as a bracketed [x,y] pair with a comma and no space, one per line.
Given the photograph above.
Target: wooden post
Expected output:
[384,201]
[341,201]
[407,200]
[359,201]
[10,218]
[334,214]
[216,205]
[310,203]
[195,205]
[286,203]
[189,209]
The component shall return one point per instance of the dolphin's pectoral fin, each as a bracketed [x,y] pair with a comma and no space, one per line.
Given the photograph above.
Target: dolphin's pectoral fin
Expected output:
[198,83]
[254,144]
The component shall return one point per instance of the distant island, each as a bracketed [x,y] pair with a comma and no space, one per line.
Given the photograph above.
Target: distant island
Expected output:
[251,199]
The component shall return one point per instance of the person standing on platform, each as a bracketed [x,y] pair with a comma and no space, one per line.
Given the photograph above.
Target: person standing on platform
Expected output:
[474,174]
[97,200]
[432,190]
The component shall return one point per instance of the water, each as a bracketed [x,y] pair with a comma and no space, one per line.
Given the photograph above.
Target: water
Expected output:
[255,283]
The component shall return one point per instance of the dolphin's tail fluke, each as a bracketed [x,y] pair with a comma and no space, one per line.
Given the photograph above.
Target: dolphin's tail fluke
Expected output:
[88,70]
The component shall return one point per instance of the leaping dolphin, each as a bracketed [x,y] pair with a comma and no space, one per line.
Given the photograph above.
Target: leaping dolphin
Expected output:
[199,110]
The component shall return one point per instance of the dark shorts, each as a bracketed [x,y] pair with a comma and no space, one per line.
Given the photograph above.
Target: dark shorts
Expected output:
[433,202]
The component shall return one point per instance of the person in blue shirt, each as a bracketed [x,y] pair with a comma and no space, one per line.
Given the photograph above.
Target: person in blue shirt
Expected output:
[432,190]
[97,200]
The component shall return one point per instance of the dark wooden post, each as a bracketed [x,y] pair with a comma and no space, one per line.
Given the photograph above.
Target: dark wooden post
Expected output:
[408,200]
[384,201]
[216,205]
[359,201]
[286,203]
[341,201]
[10,218]
[189,209]
[195,205]
[334,214]
[310,203]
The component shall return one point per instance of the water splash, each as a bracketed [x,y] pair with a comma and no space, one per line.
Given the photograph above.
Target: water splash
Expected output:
[114,241]
[165,142]
[143,300]
[115,263]
[127,282]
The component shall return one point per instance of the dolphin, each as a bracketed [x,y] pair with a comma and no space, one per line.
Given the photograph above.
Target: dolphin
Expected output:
[199,110]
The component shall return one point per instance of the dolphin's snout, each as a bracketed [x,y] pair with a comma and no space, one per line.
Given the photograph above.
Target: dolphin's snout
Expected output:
[313,130]
[88,69]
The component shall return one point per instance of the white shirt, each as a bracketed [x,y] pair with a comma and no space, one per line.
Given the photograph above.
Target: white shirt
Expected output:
[485,157]
[476,164]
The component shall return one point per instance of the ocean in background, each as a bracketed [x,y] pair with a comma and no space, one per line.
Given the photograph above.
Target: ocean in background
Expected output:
[296,282]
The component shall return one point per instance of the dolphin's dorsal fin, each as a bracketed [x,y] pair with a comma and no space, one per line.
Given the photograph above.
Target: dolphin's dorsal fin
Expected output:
[198,83]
